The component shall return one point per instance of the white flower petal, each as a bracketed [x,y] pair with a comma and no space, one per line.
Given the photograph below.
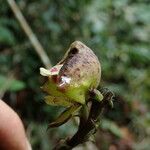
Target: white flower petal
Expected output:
[44,72]
[53,71]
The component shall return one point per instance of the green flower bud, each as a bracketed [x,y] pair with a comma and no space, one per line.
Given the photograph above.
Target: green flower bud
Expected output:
[69,82]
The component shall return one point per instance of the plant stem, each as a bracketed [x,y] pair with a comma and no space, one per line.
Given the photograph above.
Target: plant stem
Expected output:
[88,126]
[32,37]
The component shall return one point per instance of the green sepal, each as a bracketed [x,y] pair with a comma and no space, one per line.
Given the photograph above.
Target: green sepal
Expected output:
[57,101]
[98,95]
[65,116]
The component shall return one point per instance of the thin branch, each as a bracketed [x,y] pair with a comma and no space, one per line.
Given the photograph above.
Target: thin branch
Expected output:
[33,39]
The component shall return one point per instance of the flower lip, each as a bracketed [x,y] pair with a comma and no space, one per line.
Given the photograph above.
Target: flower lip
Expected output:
[53,71]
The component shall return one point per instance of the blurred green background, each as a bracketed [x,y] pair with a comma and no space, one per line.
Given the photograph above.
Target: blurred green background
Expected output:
[118,31]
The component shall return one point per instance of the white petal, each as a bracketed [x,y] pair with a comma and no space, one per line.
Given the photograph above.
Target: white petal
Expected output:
[44,72]
[53,71]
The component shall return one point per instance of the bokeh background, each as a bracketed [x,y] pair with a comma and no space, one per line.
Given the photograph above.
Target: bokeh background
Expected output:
[118,31]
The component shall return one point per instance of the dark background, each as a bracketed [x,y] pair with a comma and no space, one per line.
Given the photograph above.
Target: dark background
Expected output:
[117,31]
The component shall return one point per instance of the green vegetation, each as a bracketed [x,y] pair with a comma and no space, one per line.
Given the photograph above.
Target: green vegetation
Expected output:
[119,33]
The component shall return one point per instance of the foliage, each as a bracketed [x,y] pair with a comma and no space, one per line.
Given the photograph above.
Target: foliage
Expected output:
[118,31]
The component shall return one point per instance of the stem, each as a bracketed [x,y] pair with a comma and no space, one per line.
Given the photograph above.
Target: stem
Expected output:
[87,127]
[27,29]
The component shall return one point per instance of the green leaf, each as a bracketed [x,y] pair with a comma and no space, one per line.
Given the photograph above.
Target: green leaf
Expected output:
[112,127]
[11,84]
[16,85]
[6,36]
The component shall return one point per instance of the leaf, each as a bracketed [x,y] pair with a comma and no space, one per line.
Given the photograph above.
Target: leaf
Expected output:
[17,85]
[6,36]
[11,84]
[112,127]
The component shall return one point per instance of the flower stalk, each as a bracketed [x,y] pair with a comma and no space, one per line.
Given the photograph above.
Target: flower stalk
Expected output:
[88,127]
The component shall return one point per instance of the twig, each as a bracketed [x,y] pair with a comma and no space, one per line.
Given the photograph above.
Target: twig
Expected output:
[33,39]
[87,128]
